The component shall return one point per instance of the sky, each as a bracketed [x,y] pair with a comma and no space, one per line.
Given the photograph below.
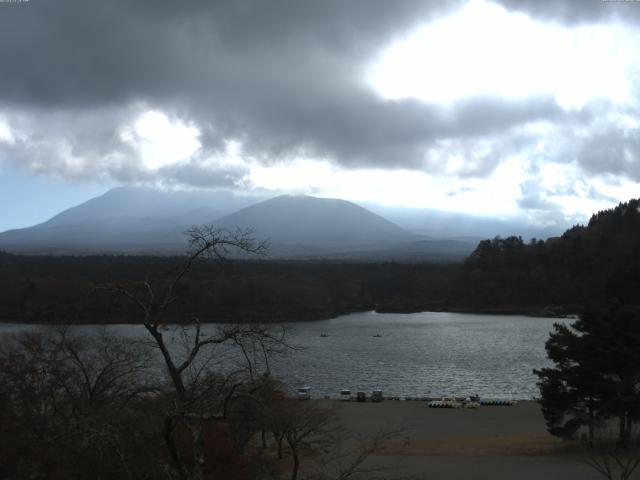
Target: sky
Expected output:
[521,109]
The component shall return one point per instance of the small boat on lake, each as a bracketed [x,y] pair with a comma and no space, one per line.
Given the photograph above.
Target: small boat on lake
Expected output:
[377,335]
[324,335]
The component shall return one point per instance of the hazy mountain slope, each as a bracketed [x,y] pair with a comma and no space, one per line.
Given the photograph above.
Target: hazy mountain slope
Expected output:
[135,220]
[183,207]
[302,219]
[442,224]
[140,220]
[105,235]
[130,219]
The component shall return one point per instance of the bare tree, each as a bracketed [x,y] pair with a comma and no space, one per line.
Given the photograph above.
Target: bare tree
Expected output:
[313,433]
[71,398]
[200,394]
[307,425]
[347,459]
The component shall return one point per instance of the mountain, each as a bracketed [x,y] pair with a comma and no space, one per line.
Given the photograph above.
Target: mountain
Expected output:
[126,219]
[317,221]
[141,220]
[147,221]
[183,207]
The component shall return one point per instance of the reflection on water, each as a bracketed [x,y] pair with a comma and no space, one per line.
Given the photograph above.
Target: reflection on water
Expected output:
[421,354]
[425,353]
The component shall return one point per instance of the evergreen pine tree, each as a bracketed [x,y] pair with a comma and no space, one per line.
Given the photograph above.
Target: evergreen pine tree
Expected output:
[596,374]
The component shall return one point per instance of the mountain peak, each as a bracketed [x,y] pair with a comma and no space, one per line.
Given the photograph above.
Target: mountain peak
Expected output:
[303,218]
[144,220]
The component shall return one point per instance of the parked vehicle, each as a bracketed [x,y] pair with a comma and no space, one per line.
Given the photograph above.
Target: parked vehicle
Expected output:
[304,393]
[361,397]
[345,395]
[376,396]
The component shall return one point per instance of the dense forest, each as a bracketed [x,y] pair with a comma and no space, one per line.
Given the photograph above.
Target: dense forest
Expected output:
[591,264]
[63,289]
[587,264]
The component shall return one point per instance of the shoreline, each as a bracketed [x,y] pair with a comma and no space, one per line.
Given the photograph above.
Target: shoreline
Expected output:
[541,312]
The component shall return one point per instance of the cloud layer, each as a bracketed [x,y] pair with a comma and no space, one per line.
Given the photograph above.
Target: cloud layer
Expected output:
[284,80]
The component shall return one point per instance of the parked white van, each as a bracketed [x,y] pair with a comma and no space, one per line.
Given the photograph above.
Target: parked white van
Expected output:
[345,395]
[304,393]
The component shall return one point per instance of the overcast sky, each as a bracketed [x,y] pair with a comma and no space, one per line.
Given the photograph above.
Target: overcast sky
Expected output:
[510,108]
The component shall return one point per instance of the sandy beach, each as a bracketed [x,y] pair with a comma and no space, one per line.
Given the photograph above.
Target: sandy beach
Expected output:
[485,443]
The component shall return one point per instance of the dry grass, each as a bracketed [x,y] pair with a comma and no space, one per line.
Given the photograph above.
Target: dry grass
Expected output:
[521,444]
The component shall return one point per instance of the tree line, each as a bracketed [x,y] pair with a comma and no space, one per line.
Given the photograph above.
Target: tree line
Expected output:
[63,289]
[590,264]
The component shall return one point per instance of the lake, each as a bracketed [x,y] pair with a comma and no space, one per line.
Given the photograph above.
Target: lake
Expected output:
[417,354]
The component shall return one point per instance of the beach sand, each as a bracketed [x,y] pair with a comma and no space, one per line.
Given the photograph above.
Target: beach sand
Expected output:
[485,443]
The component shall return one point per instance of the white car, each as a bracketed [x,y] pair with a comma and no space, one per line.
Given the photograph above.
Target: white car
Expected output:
[345,395]
[304,393]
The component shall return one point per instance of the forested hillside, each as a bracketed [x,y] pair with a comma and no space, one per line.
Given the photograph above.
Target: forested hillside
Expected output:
[587,264]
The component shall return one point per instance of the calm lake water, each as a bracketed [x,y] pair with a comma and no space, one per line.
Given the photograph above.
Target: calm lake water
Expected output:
[429,353]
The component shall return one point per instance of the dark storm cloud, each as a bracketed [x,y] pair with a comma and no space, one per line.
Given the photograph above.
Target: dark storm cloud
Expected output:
[358,129]
[75,51]
[201,175]
[576,11]
[282,77]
